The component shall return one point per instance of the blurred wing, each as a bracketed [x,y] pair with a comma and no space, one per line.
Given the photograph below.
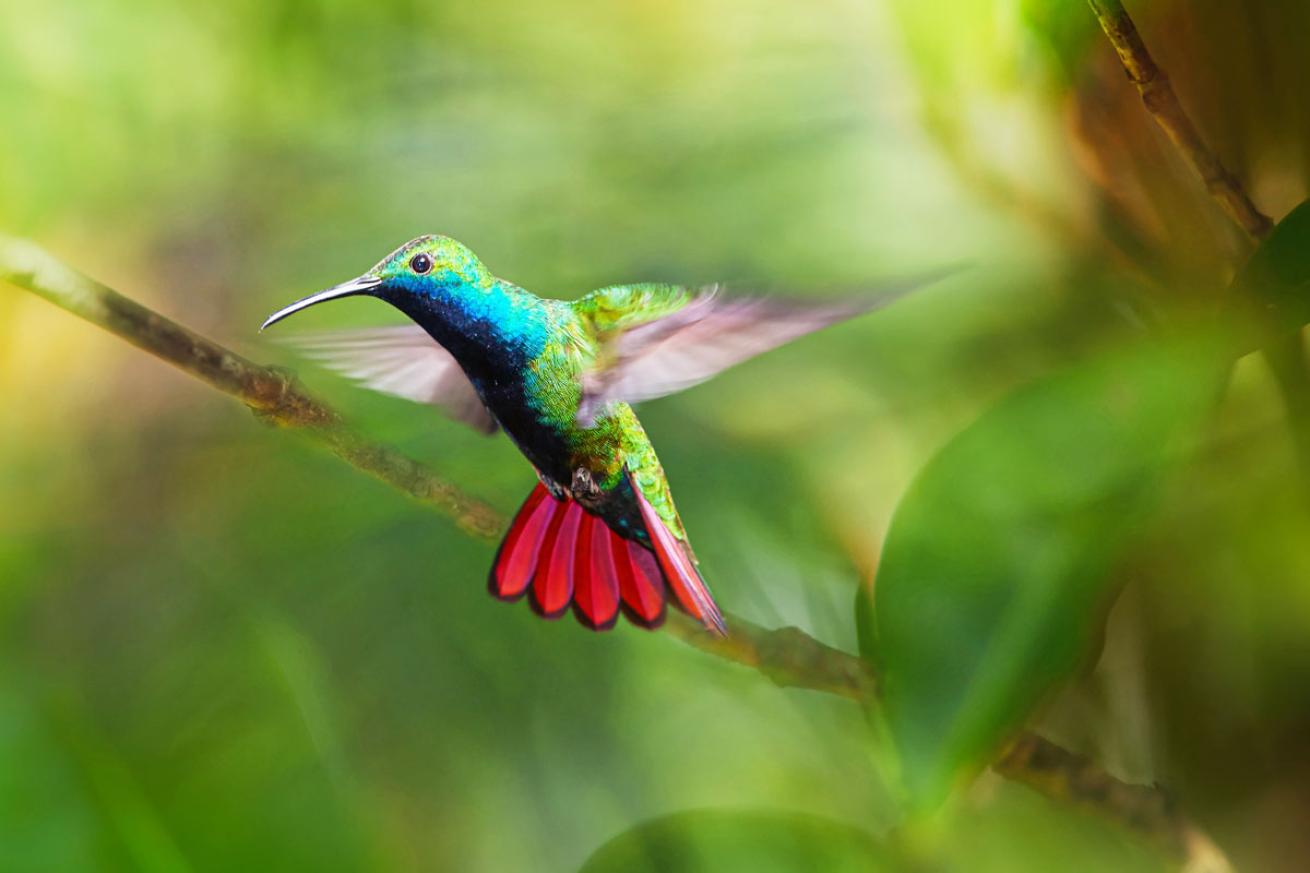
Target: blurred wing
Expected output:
[404,361]
[706,335]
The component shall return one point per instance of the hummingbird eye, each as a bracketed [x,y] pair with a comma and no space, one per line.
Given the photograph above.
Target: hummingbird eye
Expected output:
[420,263]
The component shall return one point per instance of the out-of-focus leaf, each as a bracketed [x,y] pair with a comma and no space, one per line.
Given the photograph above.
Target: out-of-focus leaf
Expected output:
[1060,30]
[1276,279]
[1019,831]
[47,819]
[711,841]
[999,556]
[985,75]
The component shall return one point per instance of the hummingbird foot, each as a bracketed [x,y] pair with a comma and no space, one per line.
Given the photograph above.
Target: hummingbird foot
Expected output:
[585,490]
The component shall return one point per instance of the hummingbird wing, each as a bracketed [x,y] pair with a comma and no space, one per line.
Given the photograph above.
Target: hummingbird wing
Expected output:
[654,340]
[404,361]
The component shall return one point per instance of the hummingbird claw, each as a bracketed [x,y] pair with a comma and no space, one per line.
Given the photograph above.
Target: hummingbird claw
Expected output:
[584,487]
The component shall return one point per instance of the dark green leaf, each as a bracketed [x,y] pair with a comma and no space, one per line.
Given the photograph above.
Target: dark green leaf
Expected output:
[1276,279]
[711,841]
[999,557]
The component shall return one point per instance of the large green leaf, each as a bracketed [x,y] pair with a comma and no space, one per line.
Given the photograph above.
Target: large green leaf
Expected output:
[716,841]
[999,557]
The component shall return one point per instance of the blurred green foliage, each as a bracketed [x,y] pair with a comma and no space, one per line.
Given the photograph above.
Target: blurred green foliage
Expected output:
[718,839]
[1004,547]
[220,648]
[1275,280]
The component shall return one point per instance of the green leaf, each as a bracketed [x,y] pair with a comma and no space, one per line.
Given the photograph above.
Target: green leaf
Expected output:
[711,841]
[1061,31]
[1276,279]
[48,816]
[999,557]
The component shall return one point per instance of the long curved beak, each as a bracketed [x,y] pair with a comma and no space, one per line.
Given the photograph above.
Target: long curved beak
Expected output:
[354,287]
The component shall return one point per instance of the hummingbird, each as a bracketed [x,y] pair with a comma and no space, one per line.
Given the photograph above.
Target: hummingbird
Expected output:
[599,532]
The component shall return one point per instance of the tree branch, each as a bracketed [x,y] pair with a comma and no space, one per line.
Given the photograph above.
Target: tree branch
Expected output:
[1147,809]
[790,657]
[1032,760]
[272,394]
[787,656]
[1162,103]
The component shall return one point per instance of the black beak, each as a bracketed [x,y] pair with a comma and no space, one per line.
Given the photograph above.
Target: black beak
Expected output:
[353,288]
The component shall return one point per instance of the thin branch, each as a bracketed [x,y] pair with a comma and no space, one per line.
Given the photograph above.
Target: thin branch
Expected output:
[787,656]
[1285,356]
[1162,103]
[1032,760]
[272,394]
[1147,809]
[790,657]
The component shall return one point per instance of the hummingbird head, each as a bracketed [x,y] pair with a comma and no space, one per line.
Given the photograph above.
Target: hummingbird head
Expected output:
[419,273]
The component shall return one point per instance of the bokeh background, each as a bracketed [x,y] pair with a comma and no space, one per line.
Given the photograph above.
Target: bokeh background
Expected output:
[222,648]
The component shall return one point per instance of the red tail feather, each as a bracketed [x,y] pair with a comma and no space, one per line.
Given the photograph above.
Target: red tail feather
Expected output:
[563,554]
[679,570]
[552,587]
[639,582]
[517,559]
[595,581]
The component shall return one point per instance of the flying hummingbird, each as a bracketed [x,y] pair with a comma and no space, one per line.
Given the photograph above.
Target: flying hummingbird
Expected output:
[599,532]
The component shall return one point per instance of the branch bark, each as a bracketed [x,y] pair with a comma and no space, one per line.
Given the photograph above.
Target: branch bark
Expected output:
[272,394]
[787,656]
[1285,356]
[1052,770]
[1062,775]
[1162,103]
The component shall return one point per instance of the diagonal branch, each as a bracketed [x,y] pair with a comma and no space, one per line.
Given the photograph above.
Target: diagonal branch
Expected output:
[1162,103]
[787,656]
[1146,809]
[1285,356]
[1056,772]
[272,394]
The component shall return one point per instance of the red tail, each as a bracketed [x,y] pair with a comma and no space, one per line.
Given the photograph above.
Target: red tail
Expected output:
[563,555]
[679,569]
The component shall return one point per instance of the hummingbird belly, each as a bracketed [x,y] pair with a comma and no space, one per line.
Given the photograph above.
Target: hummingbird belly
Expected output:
[597,465]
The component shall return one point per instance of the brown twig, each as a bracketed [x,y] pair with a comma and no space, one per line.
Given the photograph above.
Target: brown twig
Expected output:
[1062,775]
[272,394]
[790,657]
[1032,760]
[787,656]
[1162,103]
[1285,355]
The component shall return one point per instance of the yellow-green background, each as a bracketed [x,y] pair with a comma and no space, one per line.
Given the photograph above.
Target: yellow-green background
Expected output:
[220,648]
